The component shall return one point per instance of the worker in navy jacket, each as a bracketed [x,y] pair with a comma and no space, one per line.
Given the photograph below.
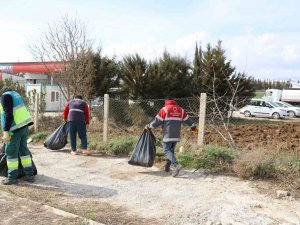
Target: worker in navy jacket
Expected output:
[171,116]
[77,114]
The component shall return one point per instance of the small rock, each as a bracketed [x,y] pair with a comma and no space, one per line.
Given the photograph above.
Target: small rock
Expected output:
[282,194]
[209,223]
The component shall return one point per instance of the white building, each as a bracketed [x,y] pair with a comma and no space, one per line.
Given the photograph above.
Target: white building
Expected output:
[41,83]
[54,99]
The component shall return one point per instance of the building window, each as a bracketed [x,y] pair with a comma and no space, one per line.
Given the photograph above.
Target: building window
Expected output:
[54,96]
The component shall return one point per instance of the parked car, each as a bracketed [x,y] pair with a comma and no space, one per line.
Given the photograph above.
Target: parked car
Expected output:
[293,111]
[263,108]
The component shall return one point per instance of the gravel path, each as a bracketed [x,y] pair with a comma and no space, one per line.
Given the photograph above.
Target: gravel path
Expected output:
[156,196]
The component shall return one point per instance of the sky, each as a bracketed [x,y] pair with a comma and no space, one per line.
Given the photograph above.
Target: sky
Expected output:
[260,37]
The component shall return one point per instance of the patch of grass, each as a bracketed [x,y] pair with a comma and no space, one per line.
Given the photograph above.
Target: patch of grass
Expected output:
[262,164]
[116,146]
[259,94]
[89,214]
[214,157]
[39,137]
[210,157]
[188,160]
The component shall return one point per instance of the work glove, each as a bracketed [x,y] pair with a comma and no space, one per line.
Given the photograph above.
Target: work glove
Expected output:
[147,128]
[195,130]
[6,137]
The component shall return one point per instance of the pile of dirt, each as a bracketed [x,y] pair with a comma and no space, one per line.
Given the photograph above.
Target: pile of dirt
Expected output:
[279,137]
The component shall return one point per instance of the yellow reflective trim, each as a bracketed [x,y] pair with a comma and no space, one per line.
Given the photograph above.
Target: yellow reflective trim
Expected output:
[13,164]
[26,161]
[21,114]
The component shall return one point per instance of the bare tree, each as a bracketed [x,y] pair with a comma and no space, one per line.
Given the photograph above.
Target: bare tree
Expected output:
[66,43]
[222,107]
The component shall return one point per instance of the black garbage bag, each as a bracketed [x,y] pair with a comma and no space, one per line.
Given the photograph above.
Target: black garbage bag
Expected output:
[3,165]
[144,151]
[58,139]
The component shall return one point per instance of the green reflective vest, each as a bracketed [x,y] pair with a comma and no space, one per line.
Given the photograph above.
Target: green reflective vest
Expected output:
[21,116]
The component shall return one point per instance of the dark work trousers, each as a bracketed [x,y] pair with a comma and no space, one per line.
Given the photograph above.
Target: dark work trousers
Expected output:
[80,128]
[15,148]
[169,150]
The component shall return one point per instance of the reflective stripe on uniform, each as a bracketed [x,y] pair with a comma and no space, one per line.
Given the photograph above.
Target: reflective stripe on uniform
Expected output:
[173,118]
[77,110]
[185,119]
[26,161]
[22,124]
[12,164]
[170,139]
[159,118]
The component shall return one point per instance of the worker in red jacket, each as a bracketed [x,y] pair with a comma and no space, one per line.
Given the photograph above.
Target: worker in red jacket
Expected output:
[77,114]
[171,116]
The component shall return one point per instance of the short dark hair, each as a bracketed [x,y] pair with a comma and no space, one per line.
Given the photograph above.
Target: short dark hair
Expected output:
[78,96]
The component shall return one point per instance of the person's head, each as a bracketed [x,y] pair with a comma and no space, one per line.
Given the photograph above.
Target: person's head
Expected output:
[170,101]
[78,96]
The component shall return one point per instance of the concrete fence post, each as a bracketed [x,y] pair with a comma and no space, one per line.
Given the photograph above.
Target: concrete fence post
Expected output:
[105,117]
[202,115]
[36,112]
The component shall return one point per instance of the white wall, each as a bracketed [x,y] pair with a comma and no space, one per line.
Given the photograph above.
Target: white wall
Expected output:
[55,100]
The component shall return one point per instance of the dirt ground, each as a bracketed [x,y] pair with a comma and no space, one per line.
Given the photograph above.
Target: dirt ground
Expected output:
[284,136]
[110,191]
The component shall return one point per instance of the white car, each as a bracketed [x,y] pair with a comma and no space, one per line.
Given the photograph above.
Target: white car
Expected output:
[293,111]
[263,108]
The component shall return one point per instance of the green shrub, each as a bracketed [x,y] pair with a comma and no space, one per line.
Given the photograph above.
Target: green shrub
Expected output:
[39,137]
[214,157]
[188,160]
[116,146]
[266,170]
[211,157]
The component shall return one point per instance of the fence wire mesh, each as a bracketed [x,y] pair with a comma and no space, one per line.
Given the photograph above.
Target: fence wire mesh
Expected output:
[125,115]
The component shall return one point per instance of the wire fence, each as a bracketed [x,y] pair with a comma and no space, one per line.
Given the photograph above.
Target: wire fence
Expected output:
[135,114]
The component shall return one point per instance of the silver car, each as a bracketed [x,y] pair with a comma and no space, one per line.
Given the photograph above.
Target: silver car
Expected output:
[293,111]
[263,108]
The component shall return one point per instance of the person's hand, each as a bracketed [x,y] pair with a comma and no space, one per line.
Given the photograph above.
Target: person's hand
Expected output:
[195,130]
[147,128]
[6,137]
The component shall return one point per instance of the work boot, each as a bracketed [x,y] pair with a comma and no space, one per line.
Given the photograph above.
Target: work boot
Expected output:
[167,166]
[30,179]
[86,152]
[9,182]
[178,167]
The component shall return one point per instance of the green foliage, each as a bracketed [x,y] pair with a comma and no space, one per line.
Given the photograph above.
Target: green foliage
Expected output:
[133,69]
[15,86]
[259,94]
[42,99]
[116,146]
[39,137]
[188,160]
[211,157]
[266,170]
[104,75]
[158,79]
[216,157]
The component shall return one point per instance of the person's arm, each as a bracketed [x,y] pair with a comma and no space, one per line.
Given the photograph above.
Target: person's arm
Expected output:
[66,112]
[188,120]
[159,119]
[7,104]
[87,114]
